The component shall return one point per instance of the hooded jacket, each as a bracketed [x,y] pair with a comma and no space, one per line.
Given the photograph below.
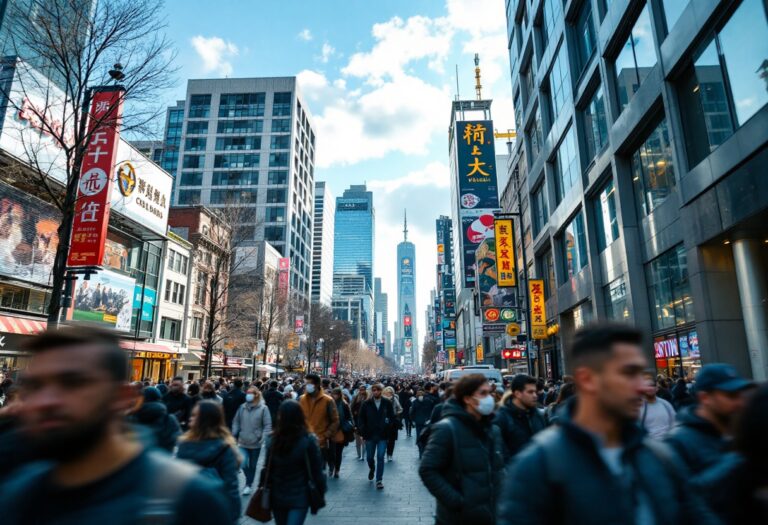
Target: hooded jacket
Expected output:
[421,410]
[273,397]
[561,478]
[463,474]
[696,441]
[517,426]
[288,476]
[252,424]
[164,427]
[217,455]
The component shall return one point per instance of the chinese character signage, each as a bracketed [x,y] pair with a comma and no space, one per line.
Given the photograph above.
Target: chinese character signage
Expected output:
[505,253]
[538,310]
[452,357]
[486,266]
[476,165]
[89,228]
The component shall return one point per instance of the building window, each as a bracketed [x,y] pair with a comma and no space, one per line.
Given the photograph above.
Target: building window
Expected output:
[669,291]
[194,144]
[274,233]
[193,161]
[241,105]
[275,196]
[275,214]
[280,142]
[199,106]
[530,92]
[178,293]
[238,143]
[189,197]
[534,133]
[191,178]
[281,105]
[672,11]
[168,288]
[636,59]
[551,13]
[232,127]
[585,35]
[607,224]
[201,289]
[197,127]
[548,273]
[278,160]
[653,170]
[726,83]
[231,196]
[539,208]
[559,83]
[250,160]
[605,5]
[245,233]
[574,246]
[281,125]
[177,262]
[197,328]
[277,177]
[566,164]
[595,124]
[235,178]
[616,304]
[170,329]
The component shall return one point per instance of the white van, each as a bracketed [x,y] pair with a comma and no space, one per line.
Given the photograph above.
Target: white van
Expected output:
[492,374]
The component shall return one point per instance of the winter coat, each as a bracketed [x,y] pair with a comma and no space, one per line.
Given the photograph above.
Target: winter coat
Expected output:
[273,397]
[375,424]
[517,426]
[696,441]
[421,410]
[180,406]
[252,424]
[288,478]
[463,467]
[405,401]
[216,454]
[355,406]
[321,415]
[164,428]
[681,397]
[231,403]
[562,479]
[345,414]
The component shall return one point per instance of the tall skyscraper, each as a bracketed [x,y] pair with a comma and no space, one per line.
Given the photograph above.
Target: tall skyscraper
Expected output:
[381,306]
[250,142]
[642,191]
[445,336]
[353,248]
[406,303]
[322,246]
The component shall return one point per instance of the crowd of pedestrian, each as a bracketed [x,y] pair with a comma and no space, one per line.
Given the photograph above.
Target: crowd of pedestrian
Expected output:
[75,438]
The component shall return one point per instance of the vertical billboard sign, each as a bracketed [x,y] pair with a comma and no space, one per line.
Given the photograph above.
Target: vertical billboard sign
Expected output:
[283,278]
[505,252]
[538,310]
[476,228]
[89,227]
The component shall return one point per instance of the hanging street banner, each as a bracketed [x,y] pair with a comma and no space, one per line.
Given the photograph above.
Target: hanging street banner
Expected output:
[505,252]
[538,310]
[476,163]
[479,355]
[89,228]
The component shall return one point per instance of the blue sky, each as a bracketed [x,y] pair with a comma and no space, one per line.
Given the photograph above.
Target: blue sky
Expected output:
[378,77]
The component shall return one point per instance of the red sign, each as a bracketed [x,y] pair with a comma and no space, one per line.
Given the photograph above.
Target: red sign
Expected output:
[513,353]
[492,314]
[89,227]
[407,320]
[284,278]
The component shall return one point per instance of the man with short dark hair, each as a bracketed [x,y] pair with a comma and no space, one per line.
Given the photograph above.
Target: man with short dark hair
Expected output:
[518,418]
[375,421]
[233,400]
[91,470]
[178,403]
[595,465]
[273,397]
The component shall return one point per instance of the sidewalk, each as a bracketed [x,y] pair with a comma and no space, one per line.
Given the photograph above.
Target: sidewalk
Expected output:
[353,499]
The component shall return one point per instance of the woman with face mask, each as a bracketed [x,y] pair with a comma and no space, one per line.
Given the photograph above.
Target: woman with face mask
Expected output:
[421,409]
[251,427]
[463,465]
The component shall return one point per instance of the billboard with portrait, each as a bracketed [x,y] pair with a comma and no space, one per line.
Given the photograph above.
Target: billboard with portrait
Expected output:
[106,298]
[491,295]
[28,236]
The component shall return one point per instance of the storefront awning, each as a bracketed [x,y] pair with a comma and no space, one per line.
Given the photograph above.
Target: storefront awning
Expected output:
[269,369]
[215,362]
[20,325]
[140,346]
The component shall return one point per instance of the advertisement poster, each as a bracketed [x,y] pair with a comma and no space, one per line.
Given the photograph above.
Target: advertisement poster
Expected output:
[476,162]
[145,301]
[476,227]
[106,298]
[491,295]
[505,252]
[28,236]
[538,310]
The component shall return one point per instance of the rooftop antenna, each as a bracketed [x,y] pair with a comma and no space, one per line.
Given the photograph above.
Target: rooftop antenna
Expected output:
[405,225]
[478,86]
[458,92]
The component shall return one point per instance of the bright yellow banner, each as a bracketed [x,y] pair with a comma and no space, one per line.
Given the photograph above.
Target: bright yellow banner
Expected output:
[479,356]
[505,252]
[452,357]
[538,310]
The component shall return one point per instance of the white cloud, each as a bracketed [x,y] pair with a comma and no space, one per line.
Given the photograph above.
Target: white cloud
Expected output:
[215,53]
[435,174]
[305,35]
[327,52]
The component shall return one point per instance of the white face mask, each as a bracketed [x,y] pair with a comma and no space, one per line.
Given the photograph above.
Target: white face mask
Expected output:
[486,405]
[421,398]
[310,388]
[249,398]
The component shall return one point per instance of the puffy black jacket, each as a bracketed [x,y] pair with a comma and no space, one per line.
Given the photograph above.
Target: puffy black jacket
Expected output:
[405,402]
[273,397]
[421,410]
[561,478]
[164,427]
[517,426]
[179,406]
[218,455]
[375,424]
[696,441]
[463,467]
[231,403]
[288,477]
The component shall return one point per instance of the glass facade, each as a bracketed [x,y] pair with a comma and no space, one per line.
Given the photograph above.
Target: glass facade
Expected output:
[606,223]
[672,11]
[353,242]
[653,170]
[616,303]
[559,83]
[534,135]
[585,35]
[241,105]
[669,291]
[539,208]
[551,13]
[574,247]
[636,59]
[595,125]
[567,167]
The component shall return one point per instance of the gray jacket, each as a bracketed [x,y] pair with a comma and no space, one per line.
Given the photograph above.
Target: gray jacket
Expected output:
[252,424]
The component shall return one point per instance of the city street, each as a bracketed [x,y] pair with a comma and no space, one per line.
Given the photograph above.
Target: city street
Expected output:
[354,499]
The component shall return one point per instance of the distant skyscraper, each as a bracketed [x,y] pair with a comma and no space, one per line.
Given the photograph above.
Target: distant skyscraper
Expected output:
[354,234]
[406,302]
[381,305]
[322,246]
[446,291]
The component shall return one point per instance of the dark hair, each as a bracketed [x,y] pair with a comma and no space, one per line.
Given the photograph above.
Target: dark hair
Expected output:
[337,390]
[313,378]
[290,426]
[114,359]
[468,385]
[238,383]
[193,389]
[520,381]
[177,378]
[593,344]
[273,384]
[566,391]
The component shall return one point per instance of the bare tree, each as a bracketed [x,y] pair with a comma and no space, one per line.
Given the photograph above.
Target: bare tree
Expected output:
[428,356]
[77,43]
[333,333]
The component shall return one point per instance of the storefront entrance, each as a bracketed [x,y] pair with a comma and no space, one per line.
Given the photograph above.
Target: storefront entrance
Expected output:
[677,353]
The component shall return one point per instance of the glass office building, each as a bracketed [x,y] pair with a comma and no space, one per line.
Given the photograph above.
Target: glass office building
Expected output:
[406,304]
[641,159]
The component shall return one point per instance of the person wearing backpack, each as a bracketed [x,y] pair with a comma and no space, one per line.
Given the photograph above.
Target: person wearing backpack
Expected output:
[209,444]
[251,427]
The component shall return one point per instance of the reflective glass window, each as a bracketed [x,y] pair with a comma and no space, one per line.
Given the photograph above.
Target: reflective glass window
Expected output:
[559,83]
[605,216]
[653,170]
[595,124]
[566,166]
[574,246]
[636,59]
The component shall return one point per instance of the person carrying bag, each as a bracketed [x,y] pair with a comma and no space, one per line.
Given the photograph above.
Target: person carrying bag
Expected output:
[259,507]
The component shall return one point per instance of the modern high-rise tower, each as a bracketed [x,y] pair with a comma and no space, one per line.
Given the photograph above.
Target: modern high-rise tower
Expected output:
[322,246]
[407,356]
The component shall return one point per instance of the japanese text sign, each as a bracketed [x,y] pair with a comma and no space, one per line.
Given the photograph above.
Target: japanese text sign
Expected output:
[476,164]
[505,253]
[538,310]
[89,227]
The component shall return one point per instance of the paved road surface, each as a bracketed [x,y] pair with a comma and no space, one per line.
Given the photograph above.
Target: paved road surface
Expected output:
[352,499]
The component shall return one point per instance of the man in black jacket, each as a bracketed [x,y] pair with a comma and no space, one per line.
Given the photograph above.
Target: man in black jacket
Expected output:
[273,397]
[374,423]
[596,466]
[178,403]
[519,418]
[232,401]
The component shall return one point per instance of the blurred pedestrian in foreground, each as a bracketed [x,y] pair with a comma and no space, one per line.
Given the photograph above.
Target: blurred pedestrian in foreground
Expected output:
[251,427]
[518,418]
[463,463]
[292,468]
[91,471]
[595,466]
